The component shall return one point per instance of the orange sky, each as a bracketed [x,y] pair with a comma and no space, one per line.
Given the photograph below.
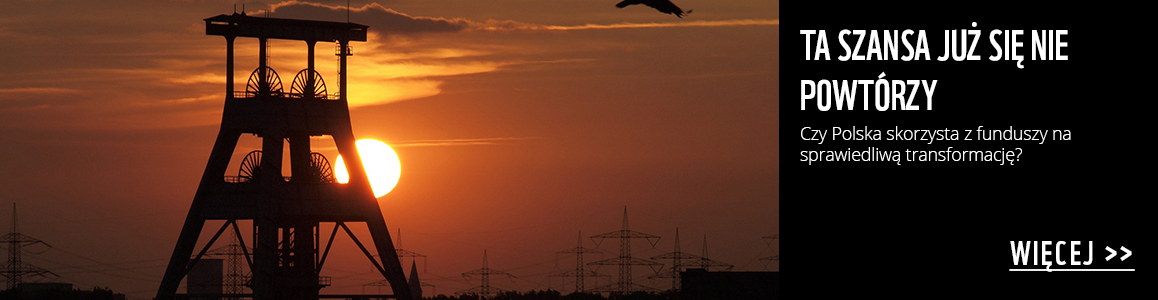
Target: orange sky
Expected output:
[518,123]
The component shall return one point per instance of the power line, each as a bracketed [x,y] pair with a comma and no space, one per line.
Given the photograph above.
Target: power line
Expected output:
[149,275]
[105,272]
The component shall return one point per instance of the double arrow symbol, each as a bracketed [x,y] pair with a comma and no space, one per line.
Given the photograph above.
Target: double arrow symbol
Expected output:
[1112,253]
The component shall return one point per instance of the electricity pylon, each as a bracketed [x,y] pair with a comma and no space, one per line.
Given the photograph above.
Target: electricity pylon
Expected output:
[581,270]
[234,278]
[484,289]
[679,260]
[16,269]
[776,255]
[625,261]
[708,264]
[407,253]
[414,260]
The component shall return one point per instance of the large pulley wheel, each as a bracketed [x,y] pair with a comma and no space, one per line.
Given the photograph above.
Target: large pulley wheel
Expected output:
[270,83]
[250,166]
[304,88]
[320,168]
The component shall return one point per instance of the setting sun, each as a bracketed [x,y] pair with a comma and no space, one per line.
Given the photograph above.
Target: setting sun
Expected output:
[381,163]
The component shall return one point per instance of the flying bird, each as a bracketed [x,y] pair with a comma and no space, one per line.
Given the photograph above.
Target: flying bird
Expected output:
[664,6]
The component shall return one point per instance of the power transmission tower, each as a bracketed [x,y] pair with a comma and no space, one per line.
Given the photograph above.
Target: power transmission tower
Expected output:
[414,283]
[625,261]
[234,278]
[484,289]
[402,253]
[776,255]
[581,270]
[16,269]
[407,253]
[708,264]
[679,261]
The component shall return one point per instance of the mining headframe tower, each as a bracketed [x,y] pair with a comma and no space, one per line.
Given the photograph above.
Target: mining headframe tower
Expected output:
[286,211]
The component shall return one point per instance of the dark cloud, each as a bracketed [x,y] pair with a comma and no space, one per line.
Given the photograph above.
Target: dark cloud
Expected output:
[387,21]
[381,20]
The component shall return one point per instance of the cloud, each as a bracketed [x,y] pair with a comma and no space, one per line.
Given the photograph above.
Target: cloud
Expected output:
[493,25]
[387,22]
[198,78]
[412,69]
[381,20]
[180,101]
[31,91]
[446,142]
[463,142]
[375,91]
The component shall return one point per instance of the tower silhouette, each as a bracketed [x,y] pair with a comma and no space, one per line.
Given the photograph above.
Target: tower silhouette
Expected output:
[776,252]
[625,261]
[414,259]
[708,264]
[287,212]
[484,289]
[679,261]
[16,268]
[415,283]
[234,278]
[581,272]
[407,253]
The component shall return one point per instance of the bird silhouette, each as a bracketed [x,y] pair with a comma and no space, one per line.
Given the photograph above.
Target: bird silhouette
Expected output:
[664,6]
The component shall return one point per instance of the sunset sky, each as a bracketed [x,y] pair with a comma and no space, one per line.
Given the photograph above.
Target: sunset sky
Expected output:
[518,123]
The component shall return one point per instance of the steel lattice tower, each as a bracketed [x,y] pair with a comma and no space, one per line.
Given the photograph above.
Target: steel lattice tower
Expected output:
[287,212]
[581,270]
[681,260]
[707,264]
[414,283]
[678,258]
[625,261]
[484,289]
[771,239]
[16,269]
[234,278]
[404,253]
[407,253]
